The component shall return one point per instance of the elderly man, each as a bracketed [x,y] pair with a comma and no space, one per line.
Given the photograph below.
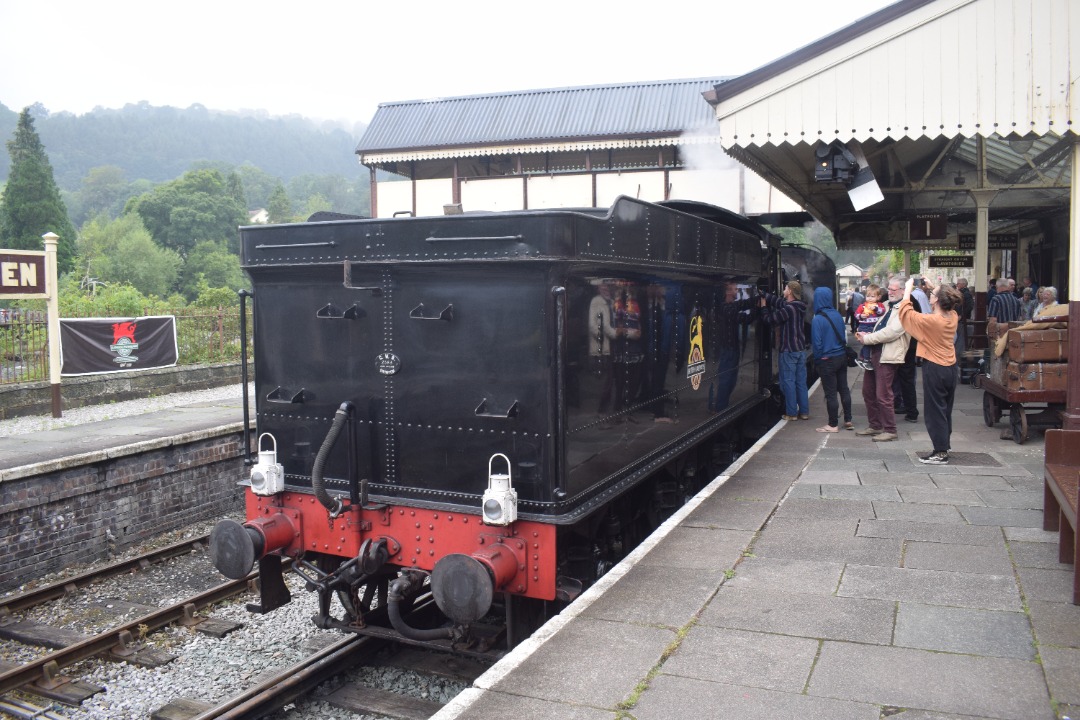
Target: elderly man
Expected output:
[920,295]
[1004,306]
[889,345]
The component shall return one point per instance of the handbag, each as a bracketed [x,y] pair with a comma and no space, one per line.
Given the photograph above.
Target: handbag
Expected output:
[850,354]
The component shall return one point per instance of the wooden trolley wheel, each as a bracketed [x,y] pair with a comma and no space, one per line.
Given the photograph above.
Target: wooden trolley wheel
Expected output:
[1018,421]
[991,409]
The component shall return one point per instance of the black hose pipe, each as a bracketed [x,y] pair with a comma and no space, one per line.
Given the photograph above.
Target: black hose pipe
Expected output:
[332,504]
[405,585]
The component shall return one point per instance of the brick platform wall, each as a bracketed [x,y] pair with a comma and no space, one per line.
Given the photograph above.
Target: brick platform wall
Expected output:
[85,511]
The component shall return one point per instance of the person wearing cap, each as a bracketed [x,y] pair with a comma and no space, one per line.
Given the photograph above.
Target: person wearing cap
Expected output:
[787,314]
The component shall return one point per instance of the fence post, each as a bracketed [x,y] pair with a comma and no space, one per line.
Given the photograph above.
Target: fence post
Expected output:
[221,331]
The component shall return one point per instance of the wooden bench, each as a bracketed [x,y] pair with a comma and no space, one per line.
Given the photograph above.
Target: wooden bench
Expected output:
[1060,491]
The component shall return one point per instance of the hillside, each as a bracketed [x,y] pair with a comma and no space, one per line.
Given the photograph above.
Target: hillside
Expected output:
[160,143]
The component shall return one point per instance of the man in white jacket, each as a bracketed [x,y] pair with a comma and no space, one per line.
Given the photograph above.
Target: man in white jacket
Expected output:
[889,344]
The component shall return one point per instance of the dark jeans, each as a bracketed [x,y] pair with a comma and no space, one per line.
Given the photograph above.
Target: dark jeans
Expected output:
[833,373]
[904,390]
[939,389]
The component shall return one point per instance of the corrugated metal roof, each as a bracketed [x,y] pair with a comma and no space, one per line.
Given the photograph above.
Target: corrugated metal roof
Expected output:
[661,107]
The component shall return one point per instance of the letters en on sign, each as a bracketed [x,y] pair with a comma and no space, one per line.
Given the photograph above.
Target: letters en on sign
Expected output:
[22,274]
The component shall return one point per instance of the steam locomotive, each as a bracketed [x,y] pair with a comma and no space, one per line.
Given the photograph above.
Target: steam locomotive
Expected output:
[492,408]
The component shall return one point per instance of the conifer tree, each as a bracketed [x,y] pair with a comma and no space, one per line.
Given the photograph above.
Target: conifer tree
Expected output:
[30,205]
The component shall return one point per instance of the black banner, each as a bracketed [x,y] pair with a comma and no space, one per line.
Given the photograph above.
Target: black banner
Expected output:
[90,346]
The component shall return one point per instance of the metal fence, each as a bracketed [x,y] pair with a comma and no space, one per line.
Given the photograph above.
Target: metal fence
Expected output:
[203,335]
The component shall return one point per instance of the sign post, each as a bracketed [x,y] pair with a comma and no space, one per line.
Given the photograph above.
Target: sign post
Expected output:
[52,304]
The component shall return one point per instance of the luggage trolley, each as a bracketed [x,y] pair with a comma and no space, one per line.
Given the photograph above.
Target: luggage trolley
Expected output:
[999,397]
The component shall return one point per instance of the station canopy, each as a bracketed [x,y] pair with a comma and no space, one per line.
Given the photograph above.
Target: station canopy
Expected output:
[950,104]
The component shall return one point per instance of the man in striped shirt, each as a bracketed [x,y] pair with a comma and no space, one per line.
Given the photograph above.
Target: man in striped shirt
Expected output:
[788,315]
[1004,306]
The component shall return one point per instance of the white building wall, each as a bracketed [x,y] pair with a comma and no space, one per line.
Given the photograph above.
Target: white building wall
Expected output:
[492,194]
[556,191]
[642,185]
[431,195]
[395,196]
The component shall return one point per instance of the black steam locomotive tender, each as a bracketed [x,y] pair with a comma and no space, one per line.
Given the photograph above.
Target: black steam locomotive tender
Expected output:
[490,407]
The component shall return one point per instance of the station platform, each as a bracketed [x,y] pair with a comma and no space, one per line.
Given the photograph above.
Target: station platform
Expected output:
[823,576]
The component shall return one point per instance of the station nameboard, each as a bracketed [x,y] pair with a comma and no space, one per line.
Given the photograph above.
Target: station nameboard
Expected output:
[995,241]
[951,261]
[22,274]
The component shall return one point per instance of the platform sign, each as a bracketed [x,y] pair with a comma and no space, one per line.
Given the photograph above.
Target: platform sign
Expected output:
[22,275]
[995,241]
[928,226]
[951,261]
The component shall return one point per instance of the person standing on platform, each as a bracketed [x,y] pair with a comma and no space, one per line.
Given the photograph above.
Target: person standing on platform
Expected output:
[855,299]
[905,394]
[828,341]
[1004,306]
[888,344]
[920,295]
[786,314]
[935,332]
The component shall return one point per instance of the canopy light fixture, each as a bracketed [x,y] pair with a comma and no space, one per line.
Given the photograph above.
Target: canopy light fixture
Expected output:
[834,163]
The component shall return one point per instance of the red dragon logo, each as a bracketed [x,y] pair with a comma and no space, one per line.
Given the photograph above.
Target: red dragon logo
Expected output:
[124,343]
[123,330]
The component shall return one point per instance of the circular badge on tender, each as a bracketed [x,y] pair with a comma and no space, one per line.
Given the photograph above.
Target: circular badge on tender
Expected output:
[387,363]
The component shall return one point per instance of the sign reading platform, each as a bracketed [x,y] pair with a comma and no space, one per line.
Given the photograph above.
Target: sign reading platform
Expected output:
[22,274]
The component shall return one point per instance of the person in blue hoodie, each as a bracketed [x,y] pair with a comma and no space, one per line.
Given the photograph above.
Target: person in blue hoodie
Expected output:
[828,340]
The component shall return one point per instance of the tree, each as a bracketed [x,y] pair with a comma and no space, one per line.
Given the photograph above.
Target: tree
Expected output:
[104,190]
[121,251]
[279,209]
[194,208]
[30,205]
[211,265]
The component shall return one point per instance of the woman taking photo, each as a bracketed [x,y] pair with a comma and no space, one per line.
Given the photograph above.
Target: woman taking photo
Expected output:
[935,332]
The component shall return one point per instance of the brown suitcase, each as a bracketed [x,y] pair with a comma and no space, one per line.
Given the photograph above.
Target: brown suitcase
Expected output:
[1028,346]
[1037,376]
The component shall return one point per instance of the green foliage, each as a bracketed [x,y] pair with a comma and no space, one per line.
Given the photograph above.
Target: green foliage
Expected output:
[211,265]
[30,205]
[121,251]
[197,207]
[279,208]
[104,191]
[118,300]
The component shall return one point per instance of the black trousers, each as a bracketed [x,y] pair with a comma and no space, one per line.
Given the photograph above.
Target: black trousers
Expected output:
[833,373]
[904,389]
[939,389]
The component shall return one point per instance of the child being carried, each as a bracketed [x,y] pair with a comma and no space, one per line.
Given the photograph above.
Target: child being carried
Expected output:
[867,315]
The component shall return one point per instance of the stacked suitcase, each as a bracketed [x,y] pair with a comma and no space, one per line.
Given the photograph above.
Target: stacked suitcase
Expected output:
[1036,360]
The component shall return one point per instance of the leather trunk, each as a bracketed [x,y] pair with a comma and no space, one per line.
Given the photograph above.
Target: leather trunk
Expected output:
[1037,376]
[1032,346]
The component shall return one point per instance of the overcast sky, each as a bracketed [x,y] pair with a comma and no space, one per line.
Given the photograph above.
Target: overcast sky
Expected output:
[337,60]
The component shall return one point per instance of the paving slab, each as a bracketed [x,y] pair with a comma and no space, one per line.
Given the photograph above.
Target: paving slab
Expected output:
[931,587]
[1047,585]
[828,546]
[802,615]
[564,669]
[678,698]
[1055,624]
[981,559]
[825,509]
[935,681]
[1037,555]
[1030,535]
[1062,667]
[495,705]
[956,533]
[699,549]
[797,576]
[644,596]
[922,513]
[1008,517]
[731,513]
[1020,499]
[876,493]
[964,630]
[969,482]
[842,476]
[897,479]
[751,659]
[940,496]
